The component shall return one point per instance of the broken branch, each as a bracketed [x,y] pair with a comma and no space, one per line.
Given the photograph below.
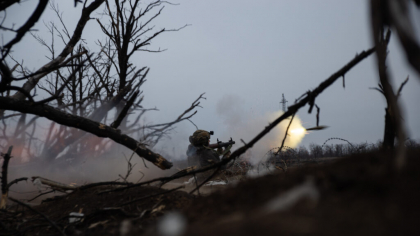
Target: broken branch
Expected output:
[124,111]
[90,126]
[285,135]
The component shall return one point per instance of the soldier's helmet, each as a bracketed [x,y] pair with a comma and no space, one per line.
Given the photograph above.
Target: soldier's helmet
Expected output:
[199,138]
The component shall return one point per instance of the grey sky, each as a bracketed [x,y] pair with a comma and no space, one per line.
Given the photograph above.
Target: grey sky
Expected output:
[249,53]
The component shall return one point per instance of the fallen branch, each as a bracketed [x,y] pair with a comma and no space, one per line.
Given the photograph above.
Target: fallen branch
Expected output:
[53,184]
[90,126]
[83,187]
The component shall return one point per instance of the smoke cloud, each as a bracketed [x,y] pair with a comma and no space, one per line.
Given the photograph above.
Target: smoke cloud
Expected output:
[237,122]
[242,124]
[81,170]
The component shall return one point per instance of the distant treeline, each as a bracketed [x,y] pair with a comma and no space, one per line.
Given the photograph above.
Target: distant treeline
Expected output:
[332,150]
[315,151]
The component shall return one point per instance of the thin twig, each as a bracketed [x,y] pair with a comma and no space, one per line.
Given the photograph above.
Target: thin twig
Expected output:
[401,87]
[16,181]
[41,194]
[285,135]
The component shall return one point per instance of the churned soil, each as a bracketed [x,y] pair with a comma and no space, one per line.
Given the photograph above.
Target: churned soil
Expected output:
[357,195]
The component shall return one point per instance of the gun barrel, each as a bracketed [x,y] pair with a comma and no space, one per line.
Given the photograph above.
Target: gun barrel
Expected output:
[221,144]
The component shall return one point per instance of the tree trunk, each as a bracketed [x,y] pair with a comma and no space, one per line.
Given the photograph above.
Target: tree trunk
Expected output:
[389,132]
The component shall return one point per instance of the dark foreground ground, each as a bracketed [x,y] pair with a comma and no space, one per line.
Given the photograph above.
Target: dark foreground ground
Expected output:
[359,195]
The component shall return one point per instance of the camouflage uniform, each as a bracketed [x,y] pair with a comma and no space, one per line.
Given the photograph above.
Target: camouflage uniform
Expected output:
[200,155]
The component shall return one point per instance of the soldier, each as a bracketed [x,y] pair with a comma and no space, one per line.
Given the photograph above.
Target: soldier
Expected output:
[200,154]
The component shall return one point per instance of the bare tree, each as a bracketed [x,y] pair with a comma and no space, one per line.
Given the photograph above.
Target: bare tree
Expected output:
[84,92]
[386,14]
[389,130]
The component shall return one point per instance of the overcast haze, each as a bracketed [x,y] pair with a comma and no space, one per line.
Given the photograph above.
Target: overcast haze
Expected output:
[245,54]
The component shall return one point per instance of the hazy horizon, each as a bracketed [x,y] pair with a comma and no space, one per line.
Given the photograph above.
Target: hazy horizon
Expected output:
[244,55]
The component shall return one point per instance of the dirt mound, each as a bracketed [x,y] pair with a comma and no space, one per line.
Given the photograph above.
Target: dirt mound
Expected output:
[359,195]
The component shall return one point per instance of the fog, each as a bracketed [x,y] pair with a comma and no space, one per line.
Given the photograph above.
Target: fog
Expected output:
[243,55]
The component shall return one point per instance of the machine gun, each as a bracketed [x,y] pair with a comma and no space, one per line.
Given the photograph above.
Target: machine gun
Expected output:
[220,144]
